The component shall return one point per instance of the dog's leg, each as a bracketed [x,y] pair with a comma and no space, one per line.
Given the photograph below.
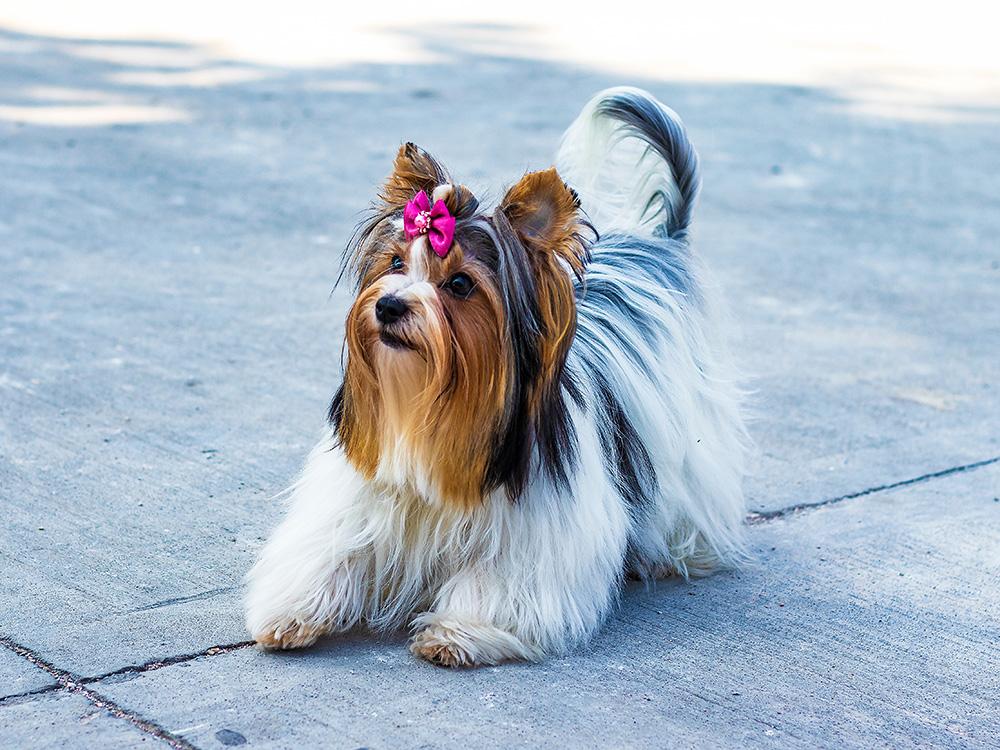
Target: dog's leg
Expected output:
[544,587]
[310,577]
[517,615]
[462,631]
[462,643]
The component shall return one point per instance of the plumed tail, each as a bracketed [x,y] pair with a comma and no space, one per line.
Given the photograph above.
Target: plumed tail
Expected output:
[629,158]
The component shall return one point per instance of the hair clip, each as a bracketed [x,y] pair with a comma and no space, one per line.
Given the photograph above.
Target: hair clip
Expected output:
[437,223]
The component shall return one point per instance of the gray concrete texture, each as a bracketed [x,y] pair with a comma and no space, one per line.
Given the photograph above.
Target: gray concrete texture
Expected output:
[169,343]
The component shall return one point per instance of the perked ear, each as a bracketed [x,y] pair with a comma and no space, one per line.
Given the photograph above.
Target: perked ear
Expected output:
[545,212]
[414,170]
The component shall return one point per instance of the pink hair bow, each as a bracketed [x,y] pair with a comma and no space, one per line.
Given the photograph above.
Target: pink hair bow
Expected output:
[439,225]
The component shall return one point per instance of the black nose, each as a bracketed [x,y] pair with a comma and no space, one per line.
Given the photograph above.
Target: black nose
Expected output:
[389,309]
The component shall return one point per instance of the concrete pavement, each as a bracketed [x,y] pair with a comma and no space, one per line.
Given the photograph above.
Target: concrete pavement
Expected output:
[169,342]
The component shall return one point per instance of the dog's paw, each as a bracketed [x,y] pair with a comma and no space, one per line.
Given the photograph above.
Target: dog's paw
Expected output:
[287,634]
[443,647]
[453,643]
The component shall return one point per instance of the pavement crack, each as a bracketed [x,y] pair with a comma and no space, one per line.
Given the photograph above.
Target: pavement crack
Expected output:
[756,518]
[71,683]
[182,599]
[27,694]
[167,661]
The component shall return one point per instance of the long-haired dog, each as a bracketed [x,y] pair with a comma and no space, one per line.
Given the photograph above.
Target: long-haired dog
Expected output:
[536,404]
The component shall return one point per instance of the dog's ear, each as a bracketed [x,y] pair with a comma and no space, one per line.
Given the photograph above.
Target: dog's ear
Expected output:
[545,213]
[414,170]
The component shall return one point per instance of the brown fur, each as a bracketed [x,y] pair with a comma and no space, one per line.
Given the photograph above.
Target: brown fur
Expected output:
[296,635]
[545,213]
[443,400]
[415,170]
[443,647]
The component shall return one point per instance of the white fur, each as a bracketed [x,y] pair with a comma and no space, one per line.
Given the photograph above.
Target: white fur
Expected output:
[614,173]
[686,410]
[518,580]
[503,581]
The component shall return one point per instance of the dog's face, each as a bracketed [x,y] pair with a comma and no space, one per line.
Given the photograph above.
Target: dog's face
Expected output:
[454,361]
[420,319]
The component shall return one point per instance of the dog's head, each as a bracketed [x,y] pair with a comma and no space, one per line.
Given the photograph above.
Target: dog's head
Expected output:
[456,353]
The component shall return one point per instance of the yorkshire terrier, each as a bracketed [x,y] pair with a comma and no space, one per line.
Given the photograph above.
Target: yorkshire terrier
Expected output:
[537,404]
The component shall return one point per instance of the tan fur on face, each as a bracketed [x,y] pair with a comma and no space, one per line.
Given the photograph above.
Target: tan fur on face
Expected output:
[427,413]
[427,417]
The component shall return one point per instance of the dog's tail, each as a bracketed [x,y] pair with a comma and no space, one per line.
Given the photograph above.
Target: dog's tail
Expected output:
[629,158]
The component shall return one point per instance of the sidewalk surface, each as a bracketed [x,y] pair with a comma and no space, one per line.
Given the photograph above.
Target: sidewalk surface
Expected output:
[171,216]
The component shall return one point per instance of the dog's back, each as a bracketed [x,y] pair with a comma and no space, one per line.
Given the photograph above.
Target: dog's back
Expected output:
[648,342]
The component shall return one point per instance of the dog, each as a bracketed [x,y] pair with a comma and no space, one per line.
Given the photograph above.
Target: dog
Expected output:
[537,404]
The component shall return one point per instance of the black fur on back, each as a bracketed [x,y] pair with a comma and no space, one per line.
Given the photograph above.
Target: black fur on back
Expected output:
[660,127]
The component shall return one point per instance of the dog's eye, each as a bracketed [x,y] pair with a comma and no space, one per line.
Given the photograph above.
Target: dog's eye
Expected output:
[460,285]
[396,264]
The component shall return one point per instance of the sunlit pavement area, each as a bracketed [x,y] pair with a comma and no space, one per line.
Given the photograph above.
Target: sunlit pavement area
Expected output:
[175,189]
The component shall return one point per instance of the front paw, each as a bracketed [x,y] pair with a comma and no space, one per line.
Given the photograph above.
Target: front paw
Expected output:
[287,633]
[448,642]
[443,646]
